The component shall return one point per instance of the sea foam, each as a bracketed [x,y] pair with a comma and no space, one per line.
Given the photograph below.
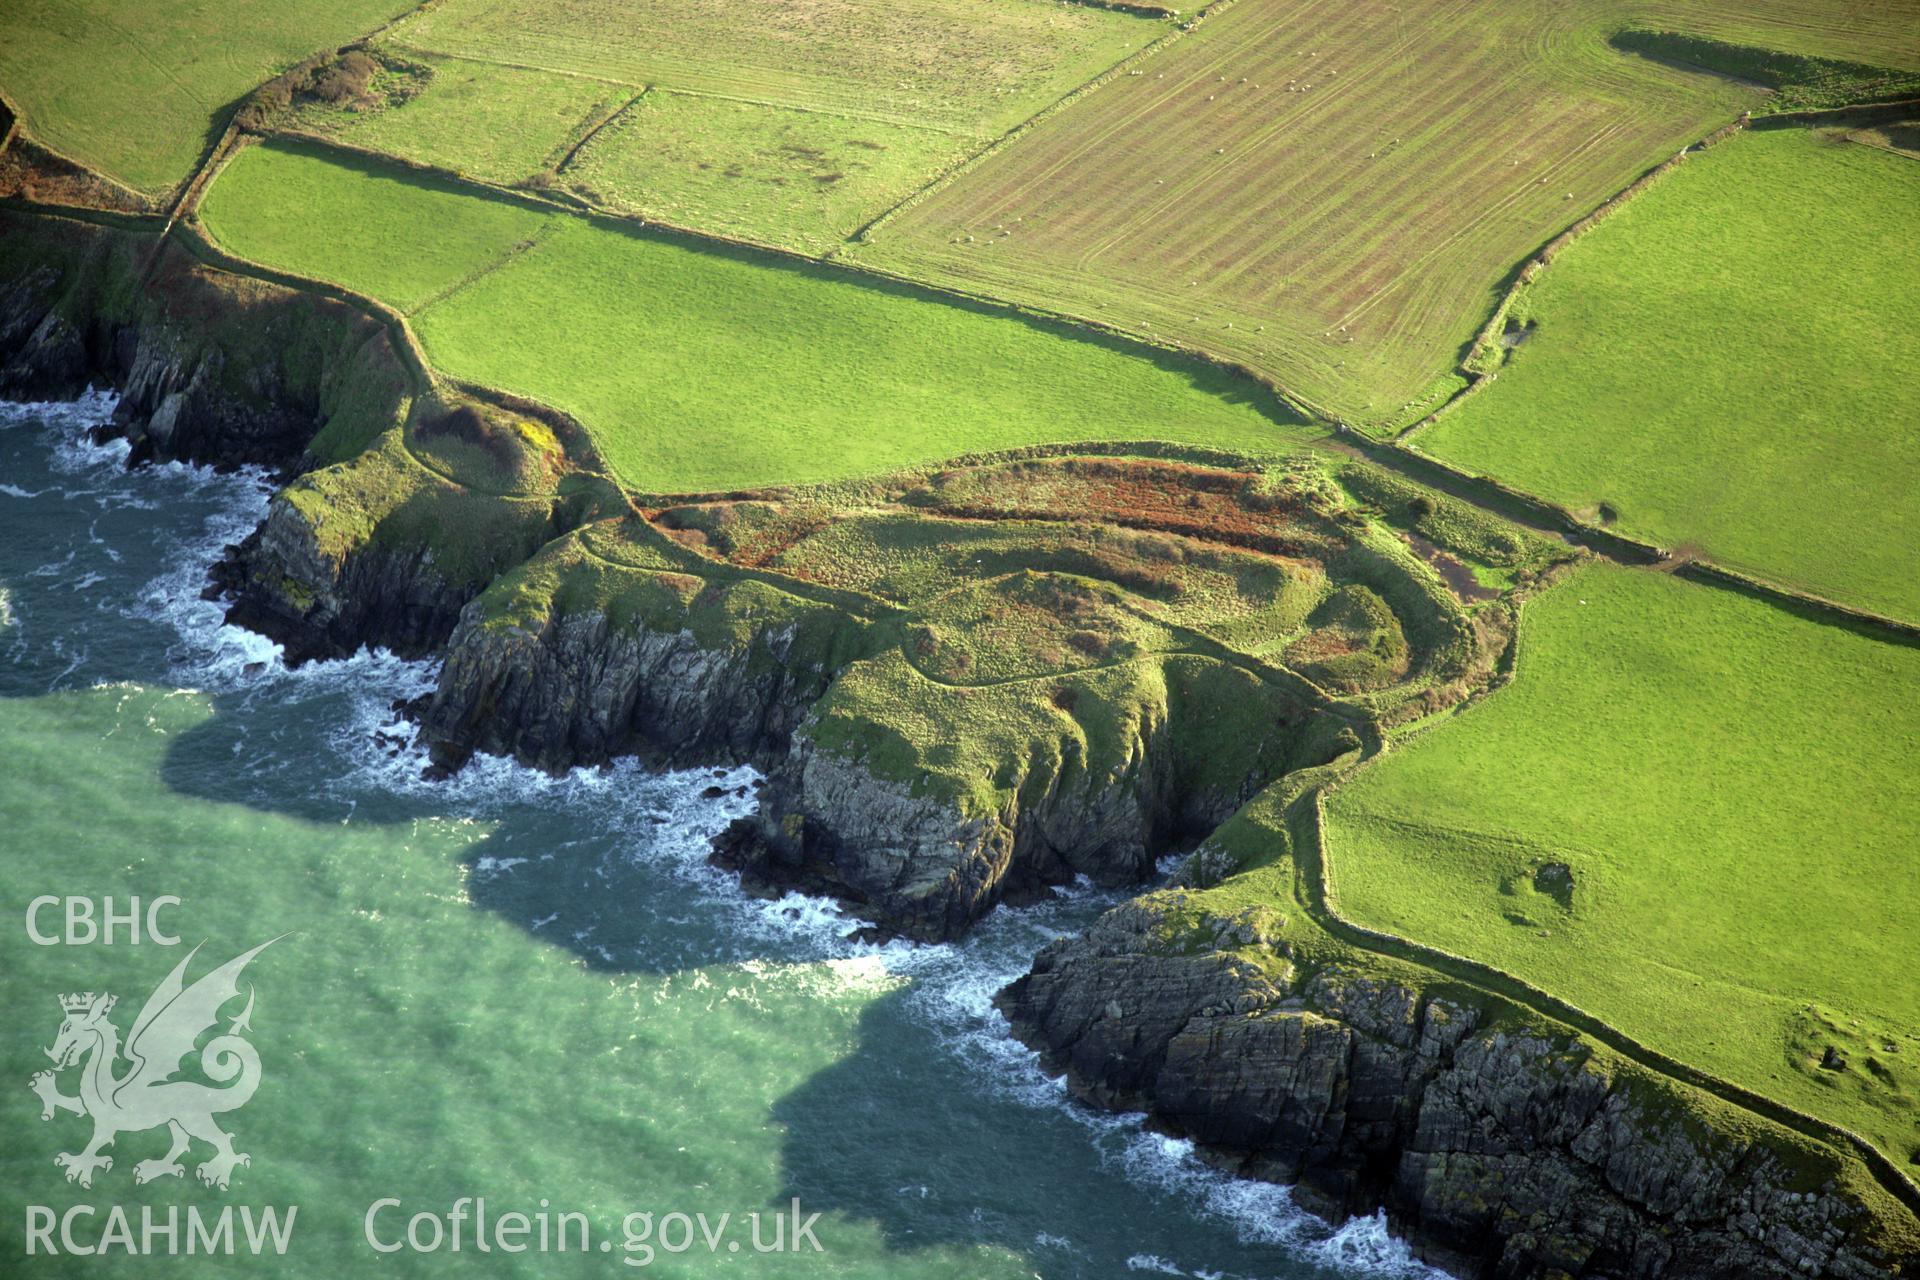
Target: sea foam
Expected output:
[667,820]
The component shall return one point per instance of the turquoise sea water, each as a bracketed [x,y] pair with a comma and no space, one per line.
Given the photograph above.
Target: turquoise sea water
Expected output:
[504,987]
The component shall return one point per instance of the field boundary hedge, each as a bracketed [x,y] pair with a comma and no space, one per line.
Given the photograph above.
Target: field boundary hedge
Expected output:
[232,139]
[425,378]
[1538,513]
[1317,867]
[210,253]
[1775,70]
[861,273]
[1804,603]
[1140,7]
[1486,342]
[1322,902]
[573,152]
[1160,450]
[1503,500]
[1533,509]
[1482,491]
[1529,271]
[143,223]
[1856,113]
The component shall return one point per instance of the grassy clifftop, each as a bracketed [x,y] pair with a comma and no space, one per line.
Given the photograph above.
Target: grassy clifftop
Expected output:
[982,641]
[703,367]
[1689,814]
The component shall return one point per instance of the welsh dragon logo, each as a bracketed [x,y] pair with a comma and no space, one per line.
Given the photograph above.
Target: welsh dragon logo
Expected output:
[146,1095]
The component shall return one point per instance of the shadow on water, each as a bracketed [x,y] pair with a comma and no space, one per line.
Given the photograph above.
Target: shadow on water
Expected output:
[608,864]
[913,1142]
[934,1127]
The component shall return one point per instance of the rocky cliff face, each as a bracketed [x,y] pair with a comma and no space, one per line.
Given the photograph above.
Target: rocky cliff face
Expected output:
[218,369]
[576,688]
[920,827]
[913,863]
[1501,1152]
[928,868]
[176,403]
[579,689]
[210,368]
[318,600]
[42,355]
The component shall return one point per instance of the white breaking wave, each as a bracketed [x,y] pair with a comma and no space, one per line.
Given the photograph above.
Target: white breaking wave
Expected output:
[667,821]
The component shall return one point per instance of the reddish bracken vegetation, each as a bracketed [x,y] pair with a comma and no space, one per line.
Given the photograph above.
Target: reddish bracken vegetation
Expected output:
[31,172]
[747,533]
[1206,503]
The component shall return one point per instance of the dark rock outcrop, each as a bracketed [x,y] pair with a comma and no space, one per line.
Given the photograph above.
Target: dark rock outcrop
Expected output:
[176,404]
[580,690]
[1500,1152]
[219,369]
[42,355]
[211,368]
[320,603]
[577,688]
[927,868]
[924,848]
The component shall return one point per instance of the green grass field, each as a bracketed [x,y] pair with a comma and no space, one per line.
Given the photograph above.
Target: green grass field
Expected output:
[1878,32]
[703,369]
[1690,812]
[1332,194]
[798,179]
[951,64]
[785,176]
[138,91]
[361,227]
[761,121]
[498,124]
[1731,787]
[1731,362]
